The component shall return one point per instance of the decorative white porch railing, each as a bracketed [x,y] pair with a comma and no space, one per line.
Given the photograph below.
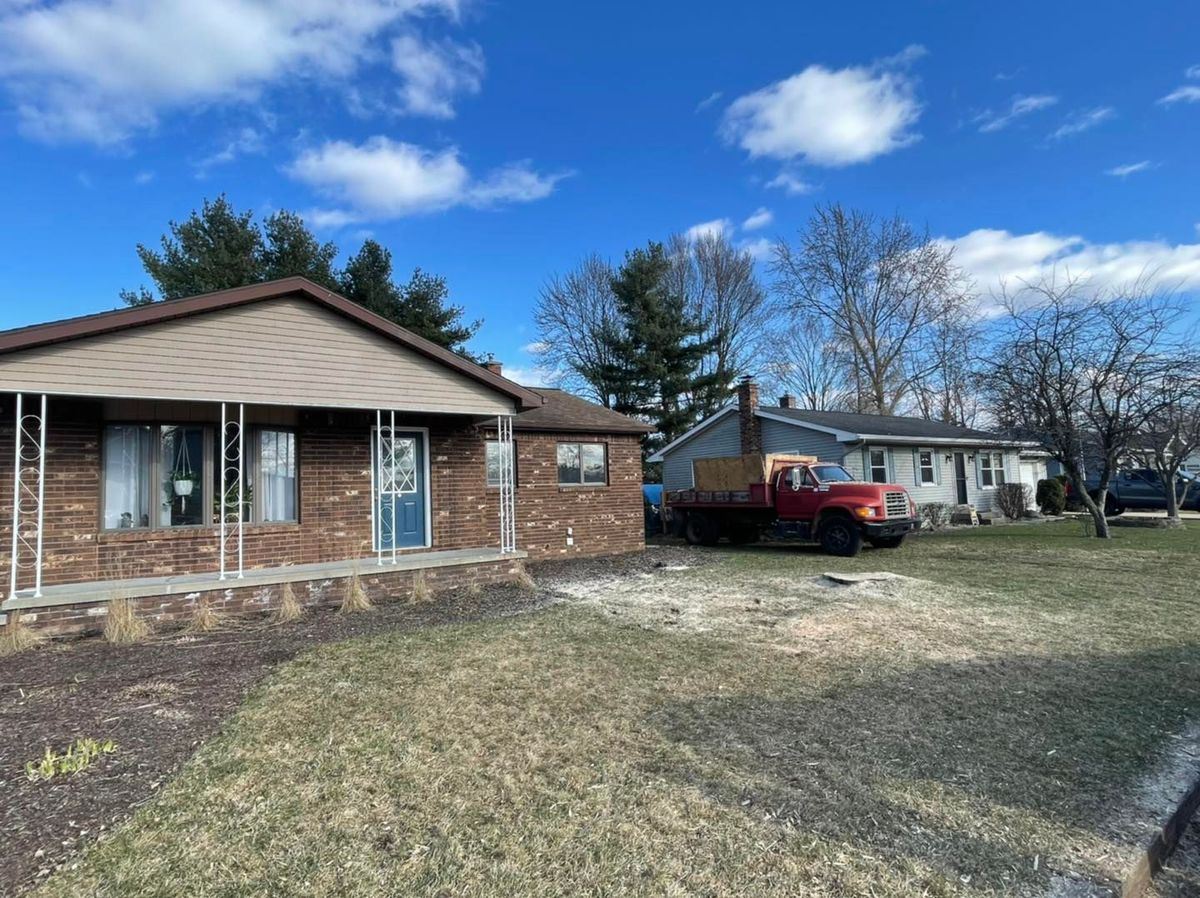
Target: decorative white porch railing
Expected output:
[508,512]
[29,493]
[231,504]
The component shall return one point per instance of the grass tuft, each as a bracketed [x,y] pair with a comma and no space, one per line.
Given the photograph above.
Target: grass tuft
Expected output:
[205,618]
[420,589]
[355,598]
[289,608]
[122,625]
[524,580]
[17,636]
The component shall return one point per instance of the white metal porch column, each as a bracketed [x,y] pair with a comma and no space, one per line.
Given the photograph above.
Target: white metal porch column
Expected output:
[231,503]
[508,513]
[388,482]
[29,493]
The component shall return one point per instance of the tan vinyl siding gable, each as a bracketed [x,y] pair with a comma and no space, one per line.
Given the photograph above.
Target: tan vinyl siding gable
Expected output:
[288,351]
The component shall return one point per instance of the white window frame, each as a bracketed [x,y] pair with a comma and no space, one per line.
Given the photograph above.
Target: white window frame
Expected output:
[994,467]
[933,468]
[257,514]
[488,446]
[871,466]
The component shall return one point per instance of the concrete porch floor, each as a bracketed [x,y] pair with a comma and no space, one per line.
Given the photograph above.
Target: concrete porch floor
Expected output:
[103,590]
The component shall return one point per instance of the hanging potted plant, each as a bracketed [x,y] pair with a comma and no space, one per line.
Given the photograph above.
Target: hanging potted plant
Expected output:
[183,483]
[183,478]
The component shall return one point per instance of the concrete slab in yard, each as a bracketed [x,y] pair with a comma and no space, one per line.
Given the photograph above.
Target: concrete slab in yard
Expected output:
[851,579]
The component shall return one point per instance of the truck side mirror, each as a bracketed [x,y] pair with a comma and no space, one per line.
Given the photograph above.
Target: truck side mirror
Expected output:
[794,478]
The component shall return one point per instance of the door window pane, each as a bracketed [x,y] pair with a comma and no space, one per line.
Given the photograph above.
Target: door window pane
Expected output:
[128,492]
[277,475]
[181,466]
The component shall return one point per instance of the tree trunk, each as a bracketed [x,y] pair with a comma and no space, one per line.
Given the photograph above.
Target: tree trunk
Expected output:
[1094,507]
[1173,519]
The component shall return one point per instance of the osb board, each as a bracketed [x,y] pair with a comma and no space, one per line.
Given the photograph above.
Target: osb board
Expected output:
[734,472]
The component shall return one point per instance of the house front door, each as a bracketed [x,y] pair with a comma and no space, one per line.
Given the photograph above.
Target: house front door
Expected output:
[400,489]
[960,476]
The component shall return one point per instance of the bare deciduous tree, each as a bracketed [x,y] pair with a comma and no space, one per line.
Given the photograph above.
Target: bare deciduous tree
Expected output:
[724,293]
[803,358]
[576,315]
[948,389]
[1076,369]
[1171,432]
[881,286]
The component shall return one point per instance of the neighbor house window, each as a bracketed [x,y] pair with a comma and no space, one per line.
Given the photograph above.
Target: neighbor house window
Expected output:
[991,468]
[494,461]
[273,479]
[877,464]
[926,470]
[582,464]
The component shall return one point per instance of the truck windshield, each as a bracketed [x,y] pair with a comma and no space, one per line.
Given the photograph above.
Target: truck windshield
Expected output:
[828,473]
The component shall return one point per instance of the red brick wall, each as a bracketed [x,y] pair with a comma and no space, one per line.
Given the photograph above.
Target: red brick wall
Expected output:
[603,520]
[334,470]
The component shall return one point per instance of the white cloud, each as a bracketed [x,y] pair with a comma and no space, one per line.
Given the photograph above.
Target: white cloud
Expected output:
[992,257]
[435,73]
[759,249]
[248,141]
[533,375]
[1018,107]
[1083,120]
[535,348]
[1192,71]
[384,179]
[143,177]
[101,70]
[1189,93]
[1124,171]
[718,227]
[791,184]
[709,100]
[760,218]
[831,117]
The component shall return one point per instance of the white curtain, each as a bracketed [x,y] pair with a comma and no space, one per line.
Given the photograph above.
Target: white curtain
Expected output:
[127,488]
[277,467]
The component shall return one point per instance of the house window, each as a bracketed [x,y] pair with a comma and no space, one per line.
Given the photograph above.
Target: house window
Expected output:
[991,469]
[583,464]
[494,461]
[273,479]
[166,476]
[926,470]
[877,463]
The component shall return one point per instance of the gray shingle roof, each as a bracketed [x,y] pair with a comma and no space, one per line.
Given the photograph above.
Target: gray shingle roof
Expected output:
[570,414]
[885,425]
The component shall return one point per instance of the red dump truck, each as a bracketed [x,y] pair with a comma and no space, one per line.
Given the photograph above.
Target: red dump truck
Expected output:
[804,500]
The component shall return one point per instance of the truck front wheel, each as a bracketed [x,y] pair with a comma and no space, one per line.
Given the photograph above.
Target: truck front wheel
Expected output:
[840,536]
[701,530]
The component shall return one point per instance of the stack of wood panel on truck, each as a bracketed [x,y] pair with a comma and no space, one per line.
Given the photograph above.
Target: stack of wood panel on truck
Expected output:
[735,478]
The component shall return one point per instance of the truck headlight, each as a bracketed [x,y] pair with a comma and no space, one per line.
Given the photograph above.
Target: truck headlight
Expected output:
[865,511]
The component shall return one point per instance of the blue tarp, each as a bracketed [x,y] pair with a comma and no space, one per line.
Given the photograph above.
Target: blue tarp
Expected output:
[652,492]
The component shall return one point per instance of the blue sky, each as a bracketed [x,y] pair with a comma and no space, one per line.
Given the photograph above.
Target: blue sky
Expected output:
[498,142]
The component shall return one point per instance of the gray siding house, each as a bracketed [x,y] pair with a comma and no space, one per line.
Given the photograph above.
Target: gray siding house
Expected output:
[936,462]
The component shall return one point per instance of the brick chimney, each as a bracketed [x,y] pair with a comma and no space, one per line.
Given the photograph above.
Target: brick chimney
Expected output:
[748,424]
[494,366]
[787,400]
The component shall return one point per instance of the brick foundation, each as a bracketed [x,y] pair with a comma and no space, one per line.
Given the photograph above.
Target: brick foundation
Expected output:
[166,610]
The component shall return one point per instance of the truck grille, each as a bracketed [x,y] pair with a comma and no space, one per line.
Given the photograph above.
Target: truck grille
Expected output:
[895,504]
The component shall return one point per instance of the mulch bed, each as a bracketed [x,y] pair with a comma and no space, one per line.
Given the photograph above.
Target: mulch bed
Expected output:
[158,700]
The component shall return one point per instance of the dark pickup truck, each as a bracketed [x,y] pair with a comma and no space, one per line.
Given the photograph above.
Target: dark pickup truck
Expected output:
[1141,488]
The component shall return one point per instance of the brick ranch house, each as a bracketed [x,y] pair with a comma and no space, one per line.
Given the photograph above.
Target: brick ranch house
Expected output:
[216,447]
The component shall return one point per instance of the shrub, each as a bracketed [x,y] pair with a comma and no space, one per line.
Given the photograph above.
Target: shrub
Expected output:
[1051,496]
[524,579]
[75,758]
[17,637]
[1012,499]
[123,626]
[420,589]
[204,617]
[355,598]
[935,515]
[289,608]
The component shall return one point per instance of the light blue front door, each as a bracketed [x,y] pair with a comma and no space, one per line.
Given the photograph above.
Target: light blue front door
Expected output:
[400,489]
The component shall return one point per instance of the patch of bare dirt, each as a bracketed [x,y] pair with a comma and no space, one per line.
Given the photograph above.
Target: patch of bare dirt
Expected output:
[158,701]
